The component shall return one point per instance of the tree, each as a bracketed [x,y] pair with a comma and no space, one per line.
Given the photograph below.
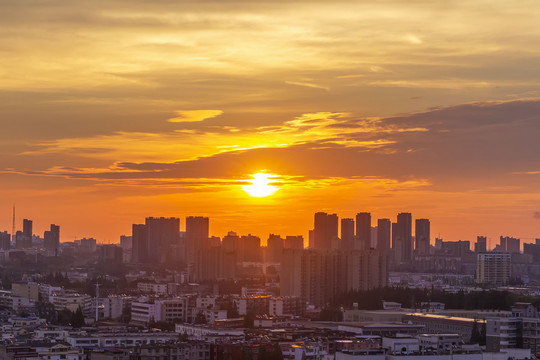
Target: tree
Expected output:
[476,337]
[249,319]
[183,337]
[330,313]
[483,333]
[200,318]
[270,352]
[77,319]
[65,317]
[232,310]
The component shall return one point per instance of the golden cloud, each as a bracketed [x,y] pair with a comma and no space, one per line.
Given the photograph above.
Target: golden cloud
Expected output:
[194,115]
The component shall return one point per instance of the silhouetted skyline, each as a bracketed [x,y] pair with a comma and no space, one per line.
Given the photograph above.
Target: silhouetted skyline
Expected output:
[114,111]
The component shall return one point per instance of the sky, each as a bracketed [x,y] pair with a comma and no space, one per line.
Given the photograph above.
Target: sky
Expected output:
[112,111]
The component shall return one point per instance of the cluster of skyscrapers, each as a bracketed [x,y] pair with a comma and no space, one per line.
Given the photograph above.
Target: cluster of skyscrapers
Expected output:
[384,237]
[26,239]
[330,266]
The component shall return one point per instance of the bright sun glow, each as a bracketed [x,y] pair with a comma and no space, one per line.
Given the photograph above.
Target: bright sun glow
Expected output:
[260,185]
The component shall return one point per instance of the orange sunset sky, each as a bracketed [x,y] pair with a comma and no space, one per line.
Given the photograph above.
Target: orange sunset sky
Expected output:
[112,111]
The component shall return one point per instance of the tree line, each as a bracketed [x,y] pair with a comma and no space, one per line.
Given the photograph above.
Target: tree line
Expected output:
[412,298]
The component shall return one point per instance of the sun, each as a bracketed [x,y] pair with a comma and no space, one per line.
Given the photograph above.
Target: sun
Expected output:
[260,185]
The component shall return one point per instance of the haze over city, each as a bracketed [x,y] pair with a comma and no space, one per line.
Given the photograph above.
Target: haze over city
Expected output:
[112,113]
[269,180]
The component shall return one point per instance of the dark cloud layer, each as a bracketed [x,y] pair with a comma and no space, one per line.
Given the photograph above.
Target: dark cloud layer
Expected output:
[471,146]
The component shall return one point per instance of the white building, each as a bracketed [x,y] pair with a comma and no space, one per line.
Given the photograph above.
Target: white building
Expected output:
[152,288]
[112,307]
[303,350]
[72,301]
[201,331]
[145,312]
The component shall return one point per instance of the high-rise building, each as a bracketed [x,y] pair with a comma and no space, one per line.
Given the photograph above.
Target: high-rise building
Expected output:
[274,248]
[153,241]
[397,245]
[139,238]
[363,231]
[162,234]
[88,245]
[422,236]
[111,253]
[493,268]
[291,273]
[367,270]
[374,236]
[403,236]
[481,244]
[456,248]
[323,275]
[27,228]
[294,242]
[126,242]
[251,248]
[325,230]
[383,234]
[214,264]
[231,242]
[197,236]
[347,234]
[23,239]
[533,250]
[318,276]
[51,239]
[5,240]
[509,244]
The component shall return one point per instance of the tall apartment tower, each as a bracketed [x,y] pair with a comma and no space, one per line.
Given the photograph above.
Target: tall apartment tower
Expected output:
[510,244]
[383,234]
[27,228]
[125,242]
[51,238]
[291,273]
[153,241]
[325,230]
[196,238]
[139,243]
[5,240]
[367,270]
[294,242]
[162,233]
[347,234]
[231,242]
[23,240]
[318,276]
[274,248]
[422,236]
[481,244]
[251,248]
[403,237]
[493,268]
[363,231]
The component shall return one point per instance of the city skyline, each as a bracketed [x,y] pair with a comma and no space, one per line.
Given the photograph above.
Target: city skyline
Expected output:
[384,234]
[111,112]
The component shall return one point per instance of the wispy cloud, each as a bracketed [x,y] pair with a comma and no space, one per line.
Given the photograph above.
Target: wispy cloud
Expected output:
[194,115]
[413,39]
[306,84]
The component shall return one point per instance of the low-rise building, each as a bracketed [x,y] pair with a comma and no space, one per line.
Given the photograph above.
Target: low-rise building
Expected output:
[440,324]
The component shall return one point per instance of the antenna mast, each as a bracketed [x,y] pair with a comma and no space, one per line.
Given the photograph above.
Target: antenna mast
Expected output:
[13,224]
